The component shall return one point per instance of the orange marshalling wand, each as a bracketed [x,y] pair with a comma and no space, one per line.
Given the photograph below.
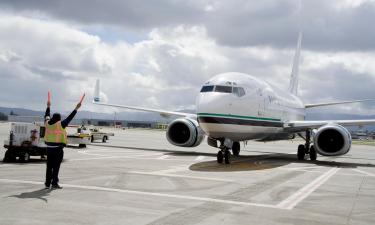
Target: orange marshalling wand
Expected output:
[49,96]
[83,96]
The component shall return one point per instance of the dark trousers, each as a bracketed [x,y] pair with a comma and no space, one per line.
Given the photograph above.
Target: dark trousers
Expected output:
[54,159]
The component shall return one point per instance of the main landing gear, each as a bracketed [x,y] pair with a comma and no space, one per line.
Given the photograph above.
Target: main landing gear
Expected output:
[224,154]
[307,149]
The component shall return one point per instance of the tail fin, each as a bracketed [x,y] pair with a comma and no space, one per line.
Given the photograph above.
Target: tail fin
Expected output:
[293,85]
[97,91]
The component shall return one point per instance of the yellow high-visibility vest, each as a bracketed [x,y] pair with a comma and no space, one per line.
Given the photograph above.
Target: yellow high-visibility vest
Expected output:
[55,133]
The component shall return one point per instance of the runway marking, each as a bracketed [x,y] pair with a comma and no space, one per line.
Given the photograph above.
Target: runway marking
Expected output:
[364,172]
[2,166]
[117,157]
[164,157]
[318,171]
[304,192]
[199,158]
[87,153]
[173,170]
[180,176]
[184,197]
[303,167]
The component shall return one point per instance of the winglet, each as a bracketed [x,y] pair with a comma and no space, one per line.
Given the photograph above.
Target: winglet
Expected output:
[97,91]
[293,85]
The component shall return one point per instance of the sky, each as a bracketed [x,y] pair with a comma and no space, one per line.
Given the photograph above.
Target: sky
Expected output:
[158,53]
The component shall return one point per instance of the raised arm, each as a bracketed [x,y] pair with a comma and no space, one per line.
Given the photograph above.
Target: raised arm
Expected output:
[68,119]
[47,114]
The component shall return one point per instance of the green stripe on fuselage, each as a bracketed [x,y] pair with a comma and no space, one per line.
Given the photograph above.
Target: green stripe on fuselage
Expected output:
[238,117]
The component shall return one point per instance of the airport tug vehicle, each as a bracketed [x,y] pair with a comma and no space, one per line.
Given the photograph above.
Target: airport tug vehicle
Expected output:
[25,140]
[78,136]
[96,134]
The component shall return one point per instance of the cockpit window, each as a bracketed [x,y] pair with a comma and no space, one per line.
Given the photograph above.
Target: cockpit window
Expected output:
[239,91]
[207,88]
[223,89]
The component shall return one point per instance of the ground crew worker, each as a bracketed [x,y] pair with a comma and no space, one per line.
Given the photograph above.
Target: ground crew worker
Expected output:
[55,138]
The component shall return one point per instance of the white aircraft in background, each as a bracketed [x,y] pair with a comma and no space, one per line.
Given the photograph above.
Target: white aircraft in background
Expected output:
[234,107]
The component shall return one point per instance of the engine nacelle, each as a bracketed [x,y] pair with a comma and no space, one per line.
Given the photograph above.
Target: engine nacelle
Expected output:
[332,140]
[185,132]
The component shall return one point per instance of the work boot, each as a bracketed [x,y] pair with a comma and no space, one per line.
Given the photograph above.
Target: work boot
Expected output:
[56,186]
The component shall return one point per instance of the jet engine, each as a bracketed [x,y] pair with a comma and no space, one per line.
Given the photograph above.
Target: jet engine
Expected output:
[184,132]
[332,140]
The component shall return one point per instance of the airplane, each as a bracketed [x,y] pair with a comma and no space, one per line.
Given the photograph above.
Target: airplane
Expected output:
[235,107]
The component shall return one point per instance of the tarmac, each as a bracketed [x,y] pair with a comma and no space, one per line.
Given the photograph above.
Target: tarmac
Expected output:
[137,177]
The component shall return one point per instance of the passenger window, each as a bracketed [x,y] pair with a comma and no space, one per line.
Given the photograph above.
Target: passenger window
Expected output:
[223,89]
[207,88]
[239,91]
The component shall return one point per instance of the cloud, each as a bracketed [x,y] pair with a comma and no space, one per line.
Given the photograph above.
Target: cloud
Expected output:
[327,25]
[164,71]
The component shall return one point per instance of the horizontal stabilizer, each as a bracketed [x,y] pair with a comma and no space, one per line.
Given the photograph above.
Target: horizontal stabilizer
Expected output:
[336,103]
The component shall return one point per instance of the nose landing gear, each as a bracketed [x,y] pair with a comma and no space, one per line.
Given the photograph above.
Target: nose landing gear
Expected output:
[224,154]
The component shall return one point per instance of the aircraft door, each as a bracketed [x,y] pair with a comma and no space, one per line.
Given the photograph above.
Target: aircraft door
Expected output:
[261,103]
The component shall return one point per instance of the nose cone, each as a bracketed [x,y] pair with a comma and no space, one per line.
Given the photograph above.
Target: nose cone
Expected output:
[211,103]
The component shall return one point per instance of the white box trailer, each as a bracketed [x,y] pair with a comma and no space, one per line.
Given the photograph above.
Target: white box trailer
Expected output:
[25,140]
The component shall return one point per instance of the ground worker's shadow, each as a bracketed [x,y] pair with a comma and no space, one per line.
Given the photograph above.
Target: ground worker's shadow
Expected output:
[41,194]
[266,161]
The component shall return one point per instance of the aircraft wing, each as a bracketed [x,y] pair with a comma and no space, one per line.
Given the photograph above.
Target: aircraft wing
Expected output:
[163,113]
[303,125]
[336,103]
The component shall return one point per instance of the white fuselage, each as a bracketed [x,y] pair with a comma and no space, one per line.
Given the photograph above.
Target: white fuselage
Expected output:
[241,107]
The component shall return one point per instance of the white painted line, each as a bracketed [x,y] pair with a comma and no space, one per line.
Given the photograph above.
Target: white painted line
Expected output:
[87,153]
[364,172]
[164,157]
[1,166]
[179,176]
[199,158]
[132,192]
[298,168]
[173,170]
[304,192]
[318,171]
[117,157]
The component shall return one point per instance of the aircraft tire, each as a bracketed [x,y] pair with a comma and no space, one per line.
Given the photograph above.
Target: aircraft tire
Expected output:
[236,148]
[227,157]
[220,157]
[301,152]
[312,153]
